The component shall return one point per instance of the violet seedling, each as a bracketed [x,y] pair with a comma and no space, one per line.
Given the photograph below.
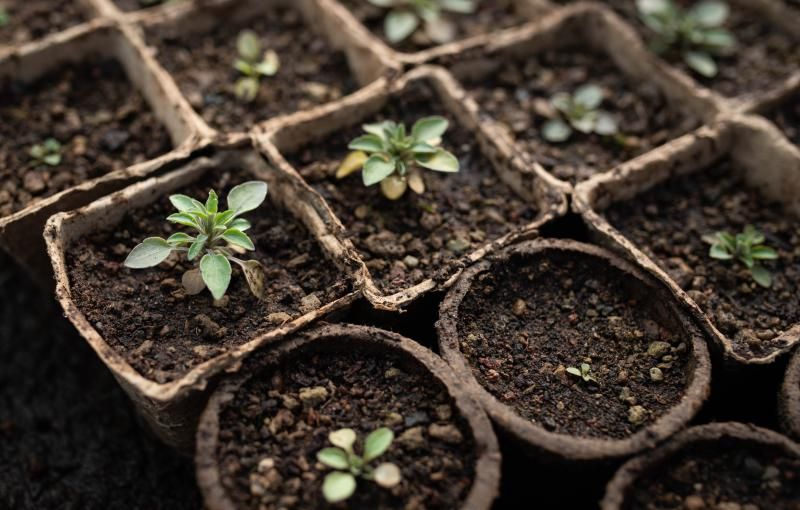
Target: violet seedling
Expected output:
[584,372]
[340,484]
[746,247]
[405,16]
[46,153]
[219,237]
[579,111]
[389,156]
[696,33]
[253,65]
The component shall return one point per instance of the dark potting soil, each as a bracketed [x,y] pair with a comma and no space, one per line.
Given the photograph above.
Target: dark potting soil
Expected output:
[101,121]
[725,474]
[490,16]
[311,71]
[787,118]
[524,322]
[668,223]
[69,436]
[418,236]
[33,19]
[518,96]
[132,5]
[146,316]
[272,430]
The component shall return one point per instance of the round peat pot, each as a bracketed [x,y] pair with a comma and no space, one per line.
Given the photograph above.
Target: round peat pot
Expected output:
[573,351]
[790,398]
[260,434]
[716,466]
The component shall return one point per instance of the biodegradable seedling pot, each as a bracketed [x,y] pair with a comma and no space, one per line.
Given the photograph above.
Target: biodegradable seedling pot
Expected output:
[790,398]
[419,242]
[579,356]
[742,172]
[162,345]
[102,48]
[316,66]
[514,77]
[259,435]
[721,465]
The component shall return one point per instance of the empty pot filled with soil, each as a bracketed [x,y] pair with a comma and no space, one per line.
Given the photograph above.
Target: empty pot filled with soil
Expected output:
[261,435]
[790,398]
[22,21]
[722,465]
[573,351]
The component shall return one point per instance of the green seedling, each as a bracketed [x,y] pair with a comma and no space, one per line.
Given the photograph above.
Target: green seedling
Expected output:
[747,248]
[389,156]
[584,372]
[405,17]
[696,33]
[253,65]
[46,153]
[579,111]
[340,484]
[4,17]
[219,236]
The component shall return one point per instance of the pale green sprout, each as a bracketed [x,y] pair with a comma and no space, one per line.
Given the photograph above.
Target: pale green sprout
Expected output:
[46,153]
[219,237]
[584,372]
[391,157]
[579,111]
[406,16]
[253,65]
[339,485]
[747,248]
[696,33]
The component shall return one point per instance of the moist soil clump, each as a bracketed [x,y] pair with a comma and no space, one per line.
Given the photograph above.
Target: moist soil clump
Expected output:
[272,430]
[725,474]
[100,120]
[518,96]
[524,323]
[311,72]
[489,16]
[788,119]
[32,19]
[668,223]
[418,236]
[146,315]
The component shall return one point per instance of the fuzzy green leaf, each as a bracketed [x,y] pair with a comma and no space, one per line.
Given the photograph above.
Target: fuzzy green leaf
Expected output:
[338,486]
[52,159]
[589,96]
[187,204]
[179,238]
[212,203]
[378,129]
[246,89]
[605,124]
[556,131]
[701,62]
[248,45]
[223,218]
[240,224]
[719,252]
[151,252]
[197,246]
[763,253]
[709,13]
[343,438]
[335,458]
[377,442]
[247,196]
[429,128]
[184,219]
[238,238]
[377,169]
[367,143]
[761,276]
[440,161]
[216,273]
[399,24]
[459,6]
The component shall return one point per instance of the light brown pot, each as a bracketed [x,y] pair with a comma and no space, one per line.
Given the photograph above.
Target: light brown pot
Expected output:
[789,398]
[563,448]
[772,167]
[172,408]
[370,341]
[529,181]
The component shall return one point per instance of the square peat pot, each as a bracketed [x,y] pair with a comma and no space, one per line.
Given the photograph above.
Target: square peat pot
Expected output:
[96,93]
[30,21]
[740,171]
[492,17]
[165,347]
[419,242]
[318,63]
[515,78]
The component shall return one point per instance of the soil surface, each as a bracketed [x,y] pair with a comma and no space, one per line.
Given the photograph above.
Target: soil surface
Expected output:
[668,222]
[311,71]
[418,236]
[133,5]
[272,430]
[490,16]
[33,19]
[763,58]
[101,121]
[146,316]
[518,96]
[69,437]
[788,119]
[726,474]
[528,320]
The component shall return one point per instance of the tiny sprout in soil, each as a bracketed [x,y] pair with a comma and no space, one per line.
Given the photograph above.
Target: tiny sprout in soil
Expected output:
[341,484]
[696,33]
[405,17]
[46,153]
[584,372]
[220,236]
[253,65]
[387,155]
[747,248]
[579,111]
